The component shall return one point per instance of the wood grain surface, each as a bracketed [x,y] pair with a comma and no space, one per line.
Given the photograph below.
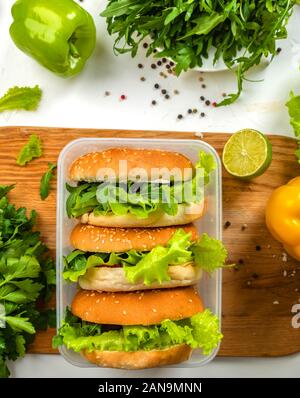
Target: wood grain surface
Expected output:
[257,296]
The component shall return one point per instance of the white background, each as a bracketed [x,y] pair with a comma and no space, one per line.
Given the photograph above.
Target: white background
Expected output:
[80,102]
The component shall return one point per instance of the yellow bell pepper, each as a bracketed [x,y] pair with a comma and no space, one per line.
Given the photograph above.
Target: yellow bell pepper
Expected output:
[283,216]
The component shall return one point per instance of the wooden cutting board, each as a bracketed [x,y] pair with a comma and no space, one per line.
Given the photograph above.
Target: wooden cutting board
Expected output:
[257,297]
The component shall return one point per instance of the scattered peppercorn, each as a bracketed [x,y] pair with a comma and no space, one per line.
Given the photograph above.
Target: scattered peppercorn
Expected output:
[107,93]
[153,102]
[224,95]
[241,261]
[202,98]
[172,63]
[143,79]
[168,66]
[153,66]
[154,51]
[195,110]
[159,63]
[203,85]
[140,66]
[163,91]
[179,116]
[164,60]
[123,97]
[190,111]
[145,45]
[243,227]
[201,79]
[279,50]
[258,248]
[202,114]
[156,85]
[167,96]
[207,102]
[227,223]
[176,92]
[254,276]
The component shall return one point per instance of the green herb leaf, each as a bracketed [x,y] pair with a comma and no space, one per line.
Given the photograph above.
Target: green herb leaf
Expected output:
[27,275]
[33,149]
[209,253]
[27,98]
[199,331]
[45,181]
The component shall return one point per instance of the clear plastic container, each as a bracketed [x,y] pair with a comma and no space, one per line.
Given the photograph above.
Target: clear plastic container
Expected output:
[209,286]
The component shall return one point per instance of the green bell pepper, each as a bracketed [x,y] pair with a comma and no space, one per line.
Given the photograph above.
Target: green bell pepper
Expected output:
[59,34]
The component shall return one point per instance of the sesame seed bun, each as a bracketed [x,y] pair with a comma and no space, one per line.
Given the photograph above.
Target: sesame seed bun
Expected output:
[185,215]
[112,279]
[90,238]
[94,166]
[139,359]
[136,308]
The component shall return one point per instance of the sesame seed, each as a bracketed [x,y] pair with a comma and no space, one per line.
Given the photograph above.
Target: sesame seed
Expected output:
[124,312]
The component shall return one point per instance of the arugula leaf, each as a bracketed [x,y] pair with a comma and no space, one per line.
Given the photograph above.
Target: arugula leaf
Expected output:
[27,98]
[31,150]
[238,32]
[45,181]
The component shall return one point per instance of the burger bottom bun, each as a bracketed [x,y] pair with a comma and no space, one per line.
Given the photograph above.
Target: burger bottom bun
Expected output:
[185,215]
[109,279]
[139,359]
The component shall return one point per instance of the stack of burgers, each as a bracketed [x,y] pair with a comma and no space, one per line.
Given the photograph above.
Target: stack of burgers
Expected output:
[137,259]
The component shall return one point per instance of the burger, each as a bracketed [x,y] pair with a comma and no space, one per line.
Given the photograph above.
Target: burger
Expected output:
[139,330]
[111,189]
[120,259]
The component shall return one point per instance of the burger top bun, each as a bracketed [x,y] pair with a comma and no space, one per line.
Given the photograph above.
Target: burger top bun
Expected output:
[95,166]
[136,308]
[90,238]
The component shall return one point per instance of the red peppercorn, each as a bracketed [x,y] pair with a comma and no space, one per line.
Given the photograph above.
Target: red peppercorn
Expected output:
[214,104]
[123,97]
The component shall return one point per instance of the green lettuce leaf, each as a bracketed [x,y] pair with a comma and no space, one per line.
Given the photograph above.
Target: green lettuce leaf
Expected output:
[148,267]
[209,253]
[293,106]
[199,331]
[78,262]
[153,267]
[27,98]
[107,198]
[33,149]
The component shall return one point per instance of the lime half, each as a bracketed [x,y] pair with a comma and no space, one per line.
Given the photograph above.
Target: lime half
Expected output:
[247,154]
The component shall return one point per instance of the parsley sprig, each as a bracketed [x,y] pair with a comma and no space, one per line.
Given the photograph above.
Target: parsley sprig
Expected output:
[27,277]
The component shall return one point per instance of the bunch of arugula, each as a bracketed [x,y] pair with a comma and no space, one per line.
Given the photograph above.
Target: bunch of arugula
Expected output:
[239,32]
[27,278]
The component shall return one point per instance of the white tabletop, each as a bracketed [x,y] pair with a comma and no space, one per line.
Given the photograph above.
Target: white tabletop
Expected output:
[81,102]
